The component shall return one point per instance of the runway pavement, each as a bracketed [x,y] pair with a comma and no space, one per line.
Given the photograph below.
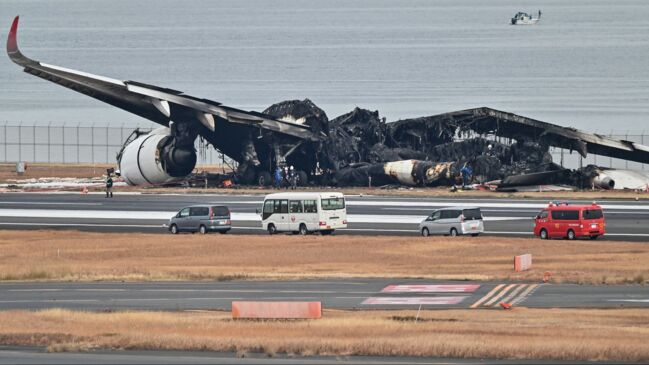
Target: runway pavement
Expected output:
[367,215]
[33,355]
[334,294]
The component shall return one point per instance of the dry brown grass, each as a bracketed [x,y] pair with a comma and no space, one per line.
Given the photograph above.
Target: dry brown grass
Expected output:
[72,255]
[38,170]
[561,334]
[44,170]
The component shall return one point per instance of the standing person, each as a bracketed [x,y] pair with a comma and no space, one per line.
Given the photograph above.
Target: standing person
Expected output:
[293,178]
[466,173]
[109,186]
[278,177]
[285,178]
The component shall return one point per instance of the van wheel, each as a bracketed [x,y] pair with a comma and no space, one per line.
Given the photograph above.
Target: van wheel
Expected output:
[571,234]
[303,230]
[173,229]
[202,229]
[543,234]
[453,232]
[475,234]
[425,232]
[271,229]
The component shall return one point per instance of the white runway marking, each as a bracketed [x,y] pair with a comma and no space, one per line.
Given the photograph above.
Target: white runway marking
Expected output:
[437,204]
[423,288]
[630,300]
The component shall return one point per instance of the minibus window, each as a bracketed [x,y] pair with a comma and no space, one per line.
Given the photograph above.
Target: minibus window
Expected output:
[284,206]
[310,206]
[593,214]
[295,206]
[268,206]
[333,203]
[277,207]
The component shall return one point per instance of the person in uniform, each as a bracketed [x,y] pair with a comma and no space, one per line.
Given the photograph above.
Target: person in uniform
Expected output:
[109,186]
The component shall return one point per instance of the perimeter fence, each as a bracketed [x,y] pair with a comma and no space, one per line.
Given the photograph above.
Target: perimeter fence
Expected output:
[83,143]
[78,143]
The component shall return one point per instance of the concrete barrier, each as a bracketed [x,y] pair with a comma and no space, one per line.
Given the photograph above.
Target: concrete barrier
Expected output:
[523,262]
[277,310]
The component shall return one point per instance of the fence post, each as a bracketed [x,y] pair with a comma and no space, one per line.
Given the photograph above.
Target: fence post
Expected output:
[106,143]
[642,142]
[77,141]
[5,140]
[20,144]
[626,162]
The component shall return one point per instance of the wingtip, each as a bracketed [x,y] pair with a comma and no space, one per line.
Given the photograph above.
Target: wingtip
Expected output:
[12,43]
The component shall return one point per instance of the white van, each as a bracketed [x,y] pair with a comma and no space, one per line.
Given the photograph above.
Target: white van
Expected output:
[304,212]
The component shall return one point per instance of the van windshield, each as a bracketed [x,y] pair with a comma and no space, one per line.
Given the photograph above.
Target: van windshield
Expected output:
[593,214]
[333,203]
[472,214]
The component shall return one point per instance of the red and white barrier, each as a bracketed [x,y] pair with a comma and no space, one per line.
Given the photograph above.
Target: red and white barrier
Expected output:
[277,310]
[523,262]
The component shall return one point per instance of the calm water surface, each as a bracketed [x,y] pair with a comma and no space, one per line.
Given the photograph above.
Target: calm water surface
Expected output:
[585,65]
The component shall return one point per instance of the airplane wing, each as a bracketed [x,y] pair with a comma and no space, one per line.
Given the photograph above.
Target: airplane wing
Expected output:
[155,103]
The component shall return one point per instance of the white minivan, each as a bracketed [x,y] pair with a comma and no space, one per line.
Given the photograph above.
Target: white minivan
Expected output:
[304,212]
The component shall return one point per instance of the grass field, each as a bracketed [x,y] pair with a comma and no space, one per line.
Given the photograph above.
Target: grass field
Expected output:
[73,255]
[560,334]
[43,170]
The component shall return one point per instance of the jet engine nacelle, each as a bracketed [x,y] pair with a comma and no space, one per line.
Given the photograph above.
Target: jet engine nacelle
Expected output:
[603,181]
[154,159]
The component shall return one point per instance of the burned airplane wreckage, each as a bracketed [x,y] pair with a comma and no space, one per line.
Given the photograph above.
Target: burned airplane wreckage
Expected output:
[360,148]
[354,149]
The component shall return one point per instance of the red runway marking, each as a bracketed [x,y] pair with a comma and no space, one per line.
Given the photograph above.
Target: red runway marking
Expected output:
[413,301]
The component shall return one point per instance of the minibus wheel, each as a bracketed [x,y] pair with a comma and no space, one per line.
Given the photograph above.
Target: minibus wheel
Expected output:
[303,230]
[453,232]
[272,229]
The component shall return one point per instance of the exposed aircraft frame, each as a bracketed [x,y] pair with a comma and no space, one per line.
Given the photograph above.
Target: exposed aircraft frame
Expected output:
[261,142]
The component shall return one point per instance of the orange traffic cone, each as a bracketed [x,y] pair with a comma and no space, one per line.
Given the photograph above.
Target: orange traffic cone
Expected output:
[506,305]
[546,276]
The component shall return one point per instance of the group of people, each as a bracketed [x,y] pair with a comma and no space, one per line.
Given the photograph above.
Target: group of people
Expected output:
[286,177]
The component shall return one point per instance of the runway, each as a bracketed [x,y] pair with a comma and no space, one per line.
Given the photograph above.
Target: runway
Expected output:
[33,355]
[367,215]
[348,294]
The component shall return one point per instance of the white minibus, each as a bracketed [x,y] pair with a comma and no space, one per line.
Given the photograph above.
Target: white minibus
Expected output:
[304,212]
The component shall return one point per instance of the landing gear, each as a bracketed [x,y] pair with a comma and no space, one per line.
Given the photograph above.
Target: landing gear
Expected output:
[264,179]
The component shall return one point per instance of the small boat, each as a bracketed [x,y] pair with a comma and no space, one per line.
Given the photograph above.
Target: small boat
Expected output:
[525,19]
